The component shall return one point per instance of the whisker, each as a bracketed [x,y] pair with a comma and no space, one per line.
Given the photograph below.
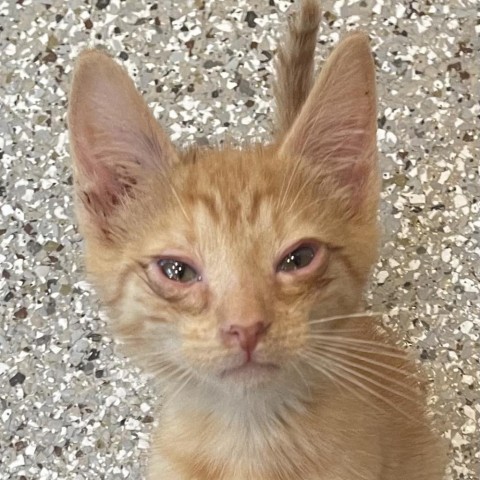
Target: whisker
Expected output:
[155,359]
[160,378]
[334,318]
[355,341]
[180,203]
[163,375]
[330,375]
[363,358]
[337,359]
[203,344]
[159,368]
[375,382]
[376,350]
[285,191]
[171,375]
[339,330]
[189,376]
[294,201]
[300,374]
[371,391]
[133,338]
[306,358]
[146,354]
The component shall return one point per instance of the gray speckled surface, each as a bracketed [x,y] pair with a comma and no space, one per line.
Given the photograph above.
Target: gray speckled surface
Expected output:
[70,408]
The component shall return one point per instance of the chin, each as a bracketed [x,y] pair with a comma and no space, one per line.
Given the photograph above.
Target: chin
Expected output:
[250,375]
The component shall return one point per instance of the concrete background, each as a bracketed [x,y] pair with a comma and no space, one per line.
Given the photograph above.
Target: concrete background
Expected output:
[70,408]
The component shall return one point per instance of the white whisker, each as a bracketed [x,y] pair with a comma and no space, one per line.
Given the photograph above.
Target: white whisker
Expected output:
[343,367]
[369,390]
[300,374]
[358,315]
[337,359]
[339,330]
[305,356]
[284,192]
[375,350]
[180,203]
[364,358]
[188,374]
[339,340]
[330,374]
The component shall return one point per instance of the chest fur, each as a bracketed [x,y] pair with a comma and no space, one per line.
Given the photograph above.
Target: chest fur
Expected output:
[278,447]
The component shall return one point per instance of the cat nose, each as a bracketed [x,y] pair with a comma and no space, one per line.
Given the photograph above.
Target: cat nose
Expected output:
[247,337]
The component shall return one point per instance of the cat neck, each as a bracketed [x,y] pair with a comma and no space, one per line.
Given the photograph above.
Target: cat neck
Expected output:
[235,404]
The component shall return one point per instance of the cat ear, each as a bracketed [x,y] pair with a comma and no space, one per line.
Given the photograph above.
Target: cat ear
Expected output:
[336,129]
[115,140]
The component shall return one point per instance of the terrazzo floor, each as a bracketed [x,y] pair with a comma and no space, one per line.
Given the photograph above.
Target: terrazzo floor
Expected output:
[70,408]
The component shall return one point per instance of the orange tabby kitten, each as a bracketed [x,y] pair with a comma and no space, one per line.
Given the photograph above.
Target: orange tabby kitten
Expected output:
[234,275]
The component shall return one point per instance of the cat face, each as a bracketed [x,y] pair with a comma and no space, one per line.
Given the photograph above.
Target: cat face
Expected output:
[213,262]
[242,250]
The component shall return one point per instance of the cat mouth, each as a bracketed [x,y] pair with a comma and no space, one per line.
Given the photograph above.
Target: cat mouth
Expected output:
[251,369]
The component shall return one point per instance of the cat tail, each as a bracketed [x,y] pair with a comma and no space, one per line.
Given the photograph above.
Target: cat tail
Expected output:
[294,64]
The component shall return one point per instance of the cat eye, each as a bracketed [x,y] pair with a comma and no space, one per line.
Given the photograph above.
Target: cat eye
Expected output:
[178,271]
[297,259]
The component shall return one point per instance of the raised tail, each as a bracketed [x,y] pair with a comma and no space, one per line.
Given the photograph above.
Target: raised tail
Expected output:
[294,64]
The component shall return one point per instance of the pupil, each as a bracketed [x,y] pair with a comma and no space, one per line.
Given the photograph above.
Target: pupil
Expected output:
[173,270]
[294,259]
[298,258]
[177,270]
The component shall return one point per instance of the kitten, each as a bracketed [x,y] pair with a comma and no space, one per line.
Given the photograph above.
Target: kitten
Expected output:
[235,275]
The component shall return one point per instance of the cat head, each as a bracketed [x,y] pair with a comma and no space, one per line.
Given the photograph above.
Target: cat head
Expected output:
[212,262]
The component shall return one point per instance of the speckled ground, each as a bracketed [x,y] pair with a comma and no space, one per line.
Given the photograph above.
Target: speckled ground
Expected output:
[70,408]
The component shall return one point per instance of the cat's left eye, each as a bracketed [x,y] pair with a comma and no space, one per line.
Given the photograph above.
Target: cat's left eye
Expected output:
[299,258]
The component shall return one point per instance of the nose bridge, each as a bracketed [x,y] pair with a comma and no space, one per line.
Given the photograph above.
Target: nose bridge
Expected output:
[243,318]
[243,304]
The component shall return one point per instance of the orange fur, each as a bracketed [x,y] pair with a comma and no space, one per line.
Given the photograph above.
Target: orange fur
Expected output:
[334,399]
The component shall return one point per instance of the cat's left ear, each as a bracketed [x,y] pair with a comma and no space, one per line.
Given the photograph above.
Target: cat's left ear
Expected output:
[116,142]
[335,132]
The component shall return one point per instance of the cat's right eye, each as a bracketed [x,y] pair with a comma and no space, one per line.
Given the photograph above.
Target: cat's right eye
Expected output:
[178,271]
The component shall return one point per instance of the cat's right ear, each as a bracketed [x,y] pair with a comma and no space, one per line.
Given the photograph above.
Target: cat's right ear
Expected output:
[116,142]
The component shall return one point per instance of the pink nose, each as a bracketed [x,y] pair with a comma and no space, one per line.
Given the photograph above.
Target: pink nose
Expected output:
[246,337]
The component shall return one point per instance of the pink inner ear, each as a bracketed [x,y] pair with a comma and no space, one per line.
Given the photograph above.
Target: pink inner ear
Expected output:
[116,142]
[107,175]
[336,128]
